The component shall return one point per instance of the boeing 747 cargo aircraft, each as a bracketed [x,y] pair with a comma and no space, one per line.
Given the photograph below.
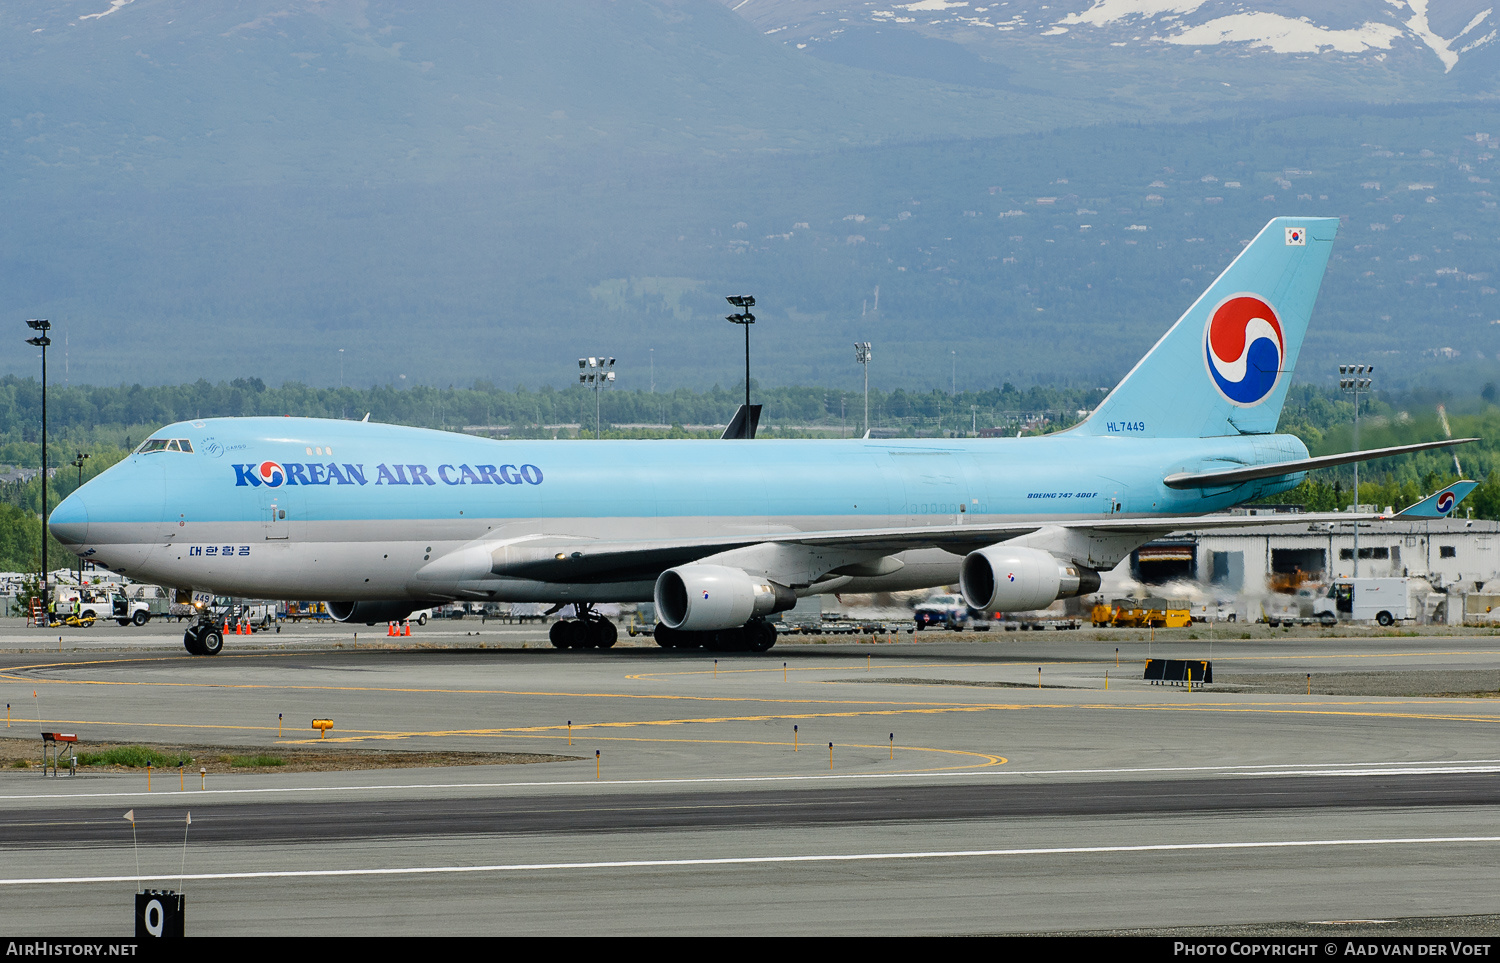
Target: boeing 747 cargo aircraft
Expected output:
[381,520]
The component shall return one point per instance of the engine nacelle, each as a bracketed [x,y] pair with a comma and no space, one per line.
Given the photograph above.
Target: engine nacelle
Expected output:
[704,598]
[1016,579]
[372,612]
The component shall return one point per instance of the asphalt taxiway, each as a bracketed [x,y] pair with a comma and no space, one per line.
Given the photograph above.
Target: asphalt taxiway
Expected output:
[958,795]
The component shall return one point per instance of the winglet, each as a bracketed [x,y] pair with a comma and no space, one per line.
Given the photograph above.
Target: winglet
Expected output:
[1440,505]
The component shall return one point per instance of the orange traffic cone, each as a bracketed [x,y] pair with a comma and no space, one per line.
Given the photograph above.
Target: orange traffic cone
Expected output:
[226,627]
[390,629]
[407,625]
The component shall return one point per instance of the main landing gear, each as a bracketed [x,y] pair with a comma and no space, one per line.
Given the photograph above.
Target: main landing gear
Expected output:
[588,631]
[756,635]
[203,637]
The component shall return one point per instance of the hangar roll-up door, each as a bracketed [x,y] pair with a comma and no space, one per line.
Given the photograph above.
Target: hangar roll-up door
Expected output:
[1161,562]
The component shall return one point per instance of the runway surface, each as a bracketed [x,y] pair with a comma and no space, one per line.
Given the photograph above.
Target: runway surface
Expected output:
[958,797]
[309,822]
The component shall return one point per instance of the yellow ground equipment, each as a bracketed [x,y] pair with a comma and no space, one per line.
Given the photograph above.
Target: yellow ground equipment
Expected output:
[1162,613]
[1129,614]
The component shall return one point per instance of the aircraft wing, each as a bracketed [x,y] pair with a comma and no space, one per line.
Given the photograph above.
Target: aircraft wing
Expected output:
[578,559]
[1234,476]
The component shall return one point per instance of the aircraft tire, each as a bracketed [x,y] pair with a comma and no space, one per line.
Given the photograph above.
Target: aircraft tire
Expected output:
[602,633]
[760,635]
[190,641]
[729,640]
[664,637]
[557,635]
[581,634]
[212,642]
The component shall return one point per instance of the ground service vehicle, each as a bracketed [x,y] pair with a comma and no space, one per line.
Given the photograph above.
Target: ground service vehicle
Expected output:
[125,611]
[946,610]
[1383,600]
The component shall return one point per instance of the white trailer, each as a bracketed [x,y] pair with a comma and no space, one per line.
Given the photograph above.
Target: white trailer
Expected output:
[1383,600]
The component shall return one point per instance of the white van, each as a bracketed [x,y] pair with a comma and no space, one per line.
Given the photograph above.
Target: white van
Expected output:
[1385,600]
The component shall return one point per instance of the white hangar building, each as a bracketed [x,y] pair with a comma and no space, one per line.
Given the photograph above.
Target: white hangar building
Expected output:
[1454,554]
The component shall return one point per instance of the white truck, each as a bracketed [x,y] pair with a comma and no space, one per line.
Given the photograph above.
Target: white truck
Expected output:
[1385,600]
[124,610]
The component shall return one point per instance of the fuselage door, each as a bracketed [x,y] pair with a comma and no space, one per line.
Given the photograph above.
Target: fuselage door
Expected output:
[273,514]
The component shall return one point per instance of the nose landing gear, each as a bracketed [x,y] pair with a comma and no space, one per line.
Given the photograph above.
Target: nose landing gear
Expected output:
[203,638]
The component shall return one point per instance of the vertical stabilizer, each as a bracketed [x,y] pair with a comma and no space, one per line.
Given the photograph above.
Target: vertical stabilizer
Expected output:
[1224,367]
[744,423]
[1442,504]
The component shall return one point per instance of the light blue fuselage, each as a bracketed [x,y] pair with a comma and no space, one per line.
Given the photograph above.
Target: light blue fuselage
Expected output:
[359,511]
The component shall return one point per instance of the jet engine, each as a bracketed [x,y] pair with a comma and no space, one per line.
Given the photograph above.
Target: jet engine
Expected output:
[1016,579]
[372,612]
[705,598]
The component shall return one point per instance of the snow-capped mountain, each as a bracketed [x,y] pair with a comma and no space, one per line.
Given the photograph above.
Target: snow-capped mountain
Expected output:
[1437,35]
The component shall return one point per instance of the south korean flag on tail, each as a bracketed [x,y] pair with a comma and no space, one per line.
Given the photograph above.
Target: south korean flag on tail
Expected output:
[1296,237]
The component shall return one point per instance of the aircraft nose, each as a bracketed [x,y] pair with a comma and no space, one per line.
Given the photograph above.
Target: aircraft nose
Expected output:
[69,521]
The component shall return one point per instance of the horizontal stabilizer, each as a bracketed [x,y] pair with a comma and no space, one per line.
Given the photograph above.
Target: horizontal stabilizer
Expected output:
[1235,476]
[1440,505]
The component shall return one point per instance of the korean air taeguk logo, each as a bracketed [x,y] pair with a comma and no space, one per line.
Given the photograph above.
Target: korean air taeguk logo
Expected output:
[1445,502]
[1244,347]
[271,474]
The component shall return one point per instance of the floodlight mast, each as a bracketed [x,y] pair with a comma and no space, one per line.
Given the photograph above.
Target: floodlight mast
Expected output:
[862,355]
[1353,379]
[42,325]
[78,463]
[596,379]
[744,302]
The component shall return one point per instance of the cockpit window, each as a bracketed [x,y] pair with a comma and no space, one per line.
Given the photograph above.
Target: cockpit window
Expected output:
[164,444]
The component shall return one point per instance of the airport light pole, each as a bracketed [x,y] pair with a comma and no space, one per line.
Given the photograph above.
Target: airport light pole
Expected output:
[1354,379]
[78,463]
[42,326]
[595,372]
[862,355]
[744,319]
